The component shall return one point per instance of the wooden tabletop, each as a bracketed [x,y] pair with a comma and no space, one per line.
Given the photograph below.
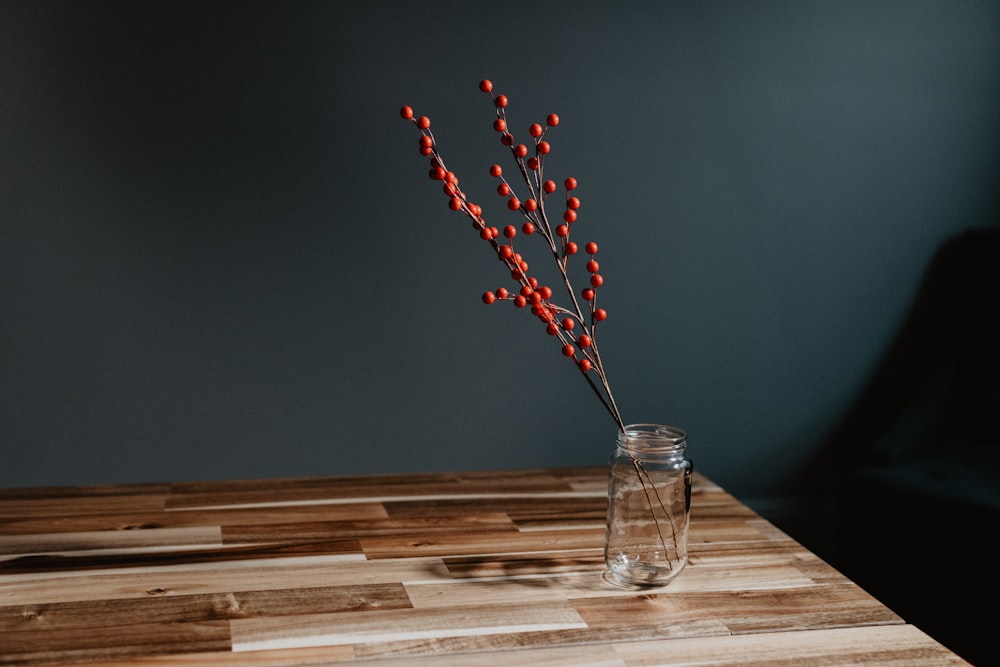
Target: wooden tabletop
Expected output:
[476,569]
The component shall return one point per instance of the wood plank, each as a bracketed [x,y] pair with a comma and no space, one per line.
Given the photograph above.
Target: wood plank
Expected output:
[401,625]
[371,488]
[495,522]
[27,646]
[415,545]
[109,540]
[508,646]
[98,560]
[128,519]
[883,645]
[744,611]
[75,501]
[213,577]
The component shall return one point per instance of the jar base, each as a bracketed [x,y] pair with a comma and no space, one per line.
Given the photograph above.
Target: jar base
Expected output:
[641,577]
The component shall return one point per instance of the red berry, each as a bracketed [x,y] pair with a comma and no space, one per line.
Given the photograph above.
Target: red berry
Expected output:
[562,230]
[502,293]
[570,247]
[533,163]
[536,130]
[423,122]
[570,183]
[495,170]
[551,329]
[568,351]
[584,341]
[523,265]
[573,203]
[486,85]
[500,101]
[593,266]
[568,324]
[528,228]
[600,314]
[588,294]
[549,187]
[513,204]
[509,231]
[530,205]
[584,365]
[426,150]
[545,292]
[455,204]
[489,297]
[520,150]
[506,252]
[485,234]
[596,280]
[543,147]
[569,215]
[438,173]
[503,189]
[500,125]
[526,291]
[507,139]
[533,281]
[520,301]
[552,120]
[406,113]
[591,248]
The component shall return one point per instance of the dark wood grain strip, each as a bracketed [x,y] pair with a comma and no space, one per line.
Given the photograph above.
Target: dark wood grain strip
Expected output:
[85,561]
[120,539]
[417,545]
[515,565]
[132,640]
[49,494]
[521,509]
[129,519]
[325,530]
[109,614]
[204,495]
[58,506]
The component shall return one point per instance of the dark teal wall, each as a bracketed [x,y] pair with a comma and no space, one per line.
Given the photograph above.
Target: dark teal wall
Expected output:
[220,255]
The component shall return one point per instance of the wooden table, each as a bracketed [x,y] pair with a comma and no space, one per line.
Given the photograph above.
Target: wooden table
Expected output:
[477,569]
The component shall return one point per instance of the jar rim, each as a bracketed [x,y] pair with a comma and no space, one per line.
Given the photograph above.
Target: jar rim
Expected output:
[652,436]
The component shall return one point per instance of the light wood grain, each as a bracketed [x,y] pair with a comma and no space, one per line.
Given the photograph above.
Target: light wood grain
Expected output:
[471,569]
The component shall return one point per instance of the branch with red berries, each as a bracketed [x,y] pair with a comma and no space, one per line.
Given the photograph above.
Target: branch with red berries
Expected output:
[574,326]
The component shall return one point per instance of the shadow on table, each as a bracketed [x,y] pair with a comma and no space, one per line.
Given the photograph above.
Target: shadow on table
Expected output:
[917,458]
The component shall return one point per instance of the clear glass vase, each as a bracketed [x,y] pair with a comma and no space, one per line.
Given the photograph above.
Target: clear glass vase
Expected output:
[649,503]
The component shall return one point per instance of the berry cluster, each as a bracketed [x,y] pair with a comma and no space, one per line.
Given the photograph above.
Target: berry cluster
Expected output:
[574,326]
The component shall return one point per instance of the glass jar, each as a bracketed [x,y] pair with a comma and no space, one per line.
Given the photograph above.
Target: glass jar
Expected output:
[649,503]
